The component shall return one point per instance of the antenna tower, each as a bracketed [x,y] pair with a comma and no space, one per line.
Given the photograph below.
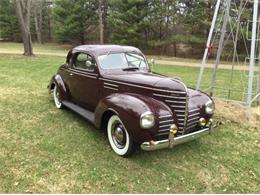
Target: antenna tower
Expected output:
[235,37]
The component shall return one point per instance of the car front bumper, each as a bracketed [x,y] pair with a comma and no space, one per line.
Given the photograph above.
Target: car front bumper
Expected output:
[173,141]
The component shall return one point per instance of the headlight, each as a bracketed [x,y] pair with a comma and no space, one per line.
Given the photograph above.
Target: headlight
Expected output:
[209,107]
[147,120]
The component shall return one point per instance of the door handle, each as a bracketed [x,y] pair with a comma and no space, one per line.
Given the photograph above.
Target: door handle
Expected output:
[71,74]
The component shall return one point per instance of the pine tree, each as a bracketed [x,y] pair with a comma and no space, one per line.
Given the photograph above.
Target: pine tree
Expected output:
[9,29]
[127,21]
[73,18]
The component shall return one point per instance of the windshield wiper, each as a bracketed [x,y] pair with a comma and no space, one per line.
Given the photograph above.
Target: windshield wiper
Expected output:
[130,68]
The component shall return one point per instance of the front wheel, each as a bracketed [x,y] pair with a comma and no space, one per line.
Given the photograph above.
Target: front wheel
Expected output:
[56,97]
[120,140]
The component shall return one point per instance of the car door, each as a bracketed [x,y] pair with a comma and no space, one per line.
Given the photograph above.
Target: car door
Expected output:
[84,82]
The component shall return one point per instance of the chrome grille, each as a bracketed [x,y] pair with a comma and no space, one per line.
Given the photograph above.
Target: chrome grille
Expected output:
[193,118]
[177,100]
[165,123]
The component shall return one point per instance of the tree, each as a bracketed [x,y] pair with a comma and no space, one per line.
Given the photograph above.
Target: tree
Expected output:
[8,21]
[156,25]
[73,19]
[38,19]
[102,14]
[101,23]
[127,20]
[196,18]
[163,23]
[23,13]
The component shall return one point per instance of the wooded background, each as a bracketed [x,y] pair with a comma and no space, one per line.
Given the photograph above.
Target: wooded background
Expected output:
[165,27]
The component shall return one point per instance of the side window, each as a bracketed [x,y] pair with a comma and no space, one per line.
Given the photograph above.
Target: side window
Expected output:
[85,61]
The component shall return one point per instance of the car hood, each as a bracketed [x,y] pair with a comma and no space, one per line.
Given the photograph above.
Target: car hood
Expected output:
[159,82]
[147,79]
[197,98]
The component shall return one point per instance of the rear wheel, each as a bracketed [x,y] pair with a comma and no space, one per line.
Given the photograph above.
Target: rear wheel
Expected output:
[119,138]
[56,97]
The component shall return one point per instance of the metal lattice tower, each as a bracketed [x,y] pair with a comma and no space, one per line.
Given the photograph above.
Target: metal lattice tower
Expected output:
[235,27]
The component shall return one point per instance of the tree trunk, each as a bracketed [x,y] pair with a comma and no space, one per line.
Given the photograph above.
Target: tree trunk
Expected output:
[38,20]
[175,49]
[101,25]
[40,26]
[49,27]
[102,14]
[23,15]
[82,34]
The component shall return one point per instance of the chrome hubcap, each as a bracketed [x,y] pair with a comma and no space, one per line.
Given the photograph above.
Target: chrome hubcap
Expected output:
[118,134]
[57,97]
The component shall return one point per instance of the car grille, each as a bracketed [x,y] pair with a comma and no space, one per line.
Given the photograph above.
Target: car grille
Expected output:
[188,118]
[165,123]
[192,119]
[178,103]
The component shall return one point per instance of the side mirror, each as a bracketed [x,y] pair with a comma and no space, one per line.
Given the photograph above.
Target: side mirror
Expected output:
[88,63]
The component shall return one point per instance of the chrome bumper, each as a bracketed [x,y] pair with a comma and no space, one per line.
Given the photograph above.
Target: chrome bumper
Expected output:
[173,141]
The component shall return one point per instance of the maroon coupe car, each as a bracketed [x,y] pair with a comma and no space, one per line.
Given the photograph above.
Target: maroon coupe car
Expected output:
[114,88]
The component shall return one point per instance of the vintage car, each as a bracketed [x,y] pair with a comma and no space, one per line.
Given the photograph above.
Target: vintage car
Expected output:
[113,87]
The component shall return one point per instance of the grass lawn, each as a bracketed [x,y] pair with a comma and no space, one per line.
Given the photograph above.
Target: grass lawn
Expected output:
[46,150]
[46,48]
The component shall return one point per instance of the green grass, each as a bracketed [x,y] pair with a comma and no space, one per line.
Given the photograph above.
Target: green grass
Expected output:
[38,48]
[46,150]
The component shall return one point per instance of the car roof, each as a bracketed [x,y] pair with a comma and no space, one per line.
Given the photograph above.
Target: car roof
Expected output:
[105,49]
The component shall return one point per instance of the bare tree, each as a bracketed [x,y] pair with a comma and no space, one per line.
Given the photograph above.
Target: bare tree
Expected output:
[23,15]
[101,24]
[38,5]
[103,14]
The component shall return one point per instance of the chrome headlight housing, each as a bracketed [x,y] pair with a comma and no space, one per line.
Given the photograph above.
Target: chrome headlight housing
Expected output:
[209,107]
[147,120]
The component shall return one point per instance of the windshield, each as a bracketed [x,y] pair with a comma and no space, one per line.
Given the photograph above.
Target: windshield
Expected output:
[122,61]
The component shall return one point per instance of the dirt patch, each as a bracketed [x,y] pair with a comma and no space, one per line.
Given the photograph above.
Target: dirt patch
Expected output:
[205,176]
[256,113]
[237,113]
[6,92]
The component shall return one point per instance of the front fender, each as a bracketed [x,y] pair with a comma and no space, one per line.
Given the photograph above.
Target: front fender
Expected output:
[130,107]
[58,81]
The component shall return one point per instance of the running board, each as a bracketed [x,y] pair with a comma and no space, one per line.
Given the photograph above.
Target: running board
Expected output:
[81,111]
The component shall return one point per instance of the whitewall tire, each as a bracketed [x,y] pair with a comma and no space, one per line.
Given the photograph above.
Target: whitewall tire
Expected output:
[56,97]
[119,138]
